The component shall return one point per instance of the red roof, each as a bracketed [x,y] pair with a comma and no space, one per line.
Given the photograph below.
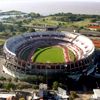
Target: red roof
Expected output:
[95,27]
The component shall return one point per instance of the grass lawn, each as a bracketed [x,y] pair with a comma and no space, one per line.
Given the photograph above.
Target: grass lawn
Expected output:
[50,21]
[49,55]
[71,55]
[2,41]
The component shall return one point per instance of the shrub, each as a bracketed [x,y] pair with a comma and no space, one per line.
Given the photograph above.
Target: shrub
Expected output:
[16,79]
[21,99]
[34,86]
[1,85]
[9,80]
[9,86]
[73,94]
[23,86]
[2,78]
[55,85]
[32,79]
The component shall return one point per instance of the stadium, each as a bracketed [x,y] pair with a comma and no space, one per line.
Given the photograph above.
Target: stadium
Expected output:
[49,52]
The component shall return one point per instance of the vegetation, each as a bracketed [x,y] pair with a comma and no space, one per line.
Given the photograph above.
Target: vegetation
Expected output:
[49,55]
[23,86]
[55,85]
[2,41]
[1,85]
[73,95]
[21,99]
[34,86]
[16,79]
[9,86]
[22,22]
[2,78]
[12,12]
[9,80]
[34,79]
[71,55]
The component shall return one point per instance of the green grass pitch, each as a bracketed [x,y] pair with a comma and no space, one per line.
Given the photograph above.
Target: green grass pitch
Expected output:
[49,55]
[72,55]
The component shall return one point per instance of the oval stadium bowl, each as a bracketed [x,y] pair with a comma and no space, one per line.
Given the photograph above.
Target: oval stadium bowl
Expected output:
[49,51]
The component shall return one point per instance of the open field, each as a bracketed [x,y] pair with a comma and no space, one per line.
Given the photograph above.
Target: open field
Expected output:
[51,22]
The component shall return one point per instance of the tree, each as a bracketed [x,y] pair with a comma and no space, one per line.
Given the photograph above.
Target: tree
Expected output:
[31,29]
[93,20]
[32,79]
[43,19]
[2,78]
[41,78]
[16,79]
[22,29]
[34,15]
[10,28]
[9,80]
[34,86]
[80,28]
[1,85]
[13,33]
[9,86]
[55,85]
[1,27]
[60,24]
[19,23]
[73,95]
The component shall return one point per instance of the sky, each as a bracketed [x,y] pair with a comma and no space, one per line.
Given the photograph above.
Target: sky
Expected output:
[46,0]
[46,7]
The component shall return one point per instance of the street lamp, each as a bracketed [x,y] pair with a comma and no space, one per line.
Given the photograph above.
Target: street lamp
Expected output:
[65,65]
[97,84]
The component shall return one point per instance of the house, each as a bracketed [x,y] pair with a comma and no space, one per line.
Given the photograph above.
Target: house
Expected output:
[94,26]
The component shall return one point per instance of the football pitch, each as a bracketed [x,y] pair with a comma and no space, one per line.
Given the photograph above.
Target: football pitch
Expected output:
[52,54]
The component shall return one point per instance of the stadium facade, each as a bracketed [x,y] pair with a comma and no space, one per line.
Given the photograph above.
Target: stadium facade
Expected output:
[17,66]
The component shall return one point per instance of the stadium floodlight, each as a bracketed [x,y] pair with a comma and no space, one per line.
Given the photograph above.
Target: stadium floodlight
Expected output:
[65,65]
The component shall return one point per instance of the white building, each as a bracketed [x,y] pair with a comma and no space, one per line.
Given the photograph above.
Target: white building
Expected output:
[61,94]
[6,95]
[96,95]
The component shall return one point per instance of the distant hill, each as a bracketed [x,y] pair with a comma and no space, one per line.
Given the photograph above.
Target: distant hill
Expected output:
[12,12]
